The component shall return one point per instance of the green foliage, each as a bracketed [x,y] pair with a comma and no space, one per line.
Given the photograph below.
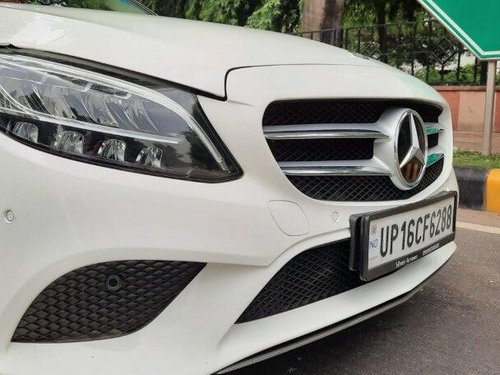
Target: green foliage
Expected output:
[369,12]
[448,76]
[356,13]
[232,12]
[92,4]
[475,159]
[469,74]
[277,15]
[88,4]
[173,8]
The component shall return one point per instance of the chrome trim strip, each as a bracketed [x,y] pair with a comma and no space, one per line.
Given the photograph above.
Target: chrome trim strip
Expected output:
[323,126]
[317,131]
[336,171]
[338,134]
[372,167]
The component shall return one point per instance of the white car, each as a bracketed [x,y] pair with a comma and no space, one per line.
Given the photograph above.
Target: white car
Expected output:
[179,197]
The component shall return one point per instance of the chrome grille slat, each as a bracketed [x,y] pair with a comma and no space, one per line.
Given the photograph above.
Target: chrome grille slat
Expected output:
[322,131]
[314,131]
[335,171]
[371,167]
[344,133]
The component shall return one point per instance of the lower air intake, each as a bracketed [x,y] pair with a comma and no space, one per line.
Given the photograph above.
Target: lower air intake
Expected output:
[104,300]
[309,277]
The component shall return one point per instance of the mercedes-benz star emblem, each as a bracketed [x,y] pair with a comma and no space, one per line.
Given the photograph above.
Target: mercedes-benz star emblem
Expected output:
[411,149]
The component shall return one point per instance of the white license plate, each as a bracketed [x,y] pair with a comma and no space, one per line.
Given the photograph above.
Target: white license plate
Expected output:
[388,240]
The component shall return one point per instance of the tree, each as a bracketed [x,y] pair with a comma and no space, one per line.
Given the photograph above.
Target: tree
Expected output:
[323,14]
[382,11]
[172,8]
[277,15]
[233,12]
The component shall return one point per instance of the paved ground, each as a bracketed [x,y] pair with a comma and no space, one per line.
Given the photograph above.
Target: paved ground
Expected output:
[451,327]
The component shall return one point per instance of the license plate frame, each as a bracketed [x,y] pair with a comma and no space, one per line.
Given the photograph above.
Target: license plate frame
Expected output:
[360,235]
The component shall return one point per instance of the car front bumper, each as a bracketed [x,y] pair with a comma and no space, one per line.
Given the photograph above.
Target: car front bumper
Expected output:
[70,214]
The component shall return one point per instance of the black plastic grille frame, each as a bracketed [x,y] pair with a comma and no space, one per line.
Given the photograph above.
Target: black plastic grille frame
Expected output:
[311,276]
[361,188]
[104,300]
[321,149]
[433,140]
[299,112]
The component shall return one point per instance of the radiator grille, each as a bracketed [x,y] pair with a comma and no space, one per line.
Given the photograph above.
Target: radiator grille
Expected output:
[104,300]
[330,149]
[309,277]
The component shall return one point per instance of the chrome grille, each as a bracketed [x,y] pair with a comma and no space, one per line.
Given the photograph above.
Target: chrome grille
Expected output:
[324,146]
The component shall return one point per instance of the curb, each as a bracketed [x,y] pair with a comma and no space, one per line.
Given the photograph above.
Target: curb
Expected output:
[479,188]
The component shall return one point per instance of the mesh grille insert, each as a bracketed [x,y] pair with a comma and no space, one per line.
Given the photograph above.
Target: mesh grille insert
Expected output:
[309,277]
[361,188]
[104,300]
[321,149]
[295,112]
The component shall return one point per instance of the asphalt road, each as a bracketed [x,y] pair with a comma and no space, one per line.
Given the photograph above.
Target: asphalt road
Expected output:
[451,327]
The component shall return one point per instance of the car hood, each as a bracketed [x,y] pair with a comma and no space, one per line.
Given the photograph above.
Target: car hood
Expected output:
[191,53]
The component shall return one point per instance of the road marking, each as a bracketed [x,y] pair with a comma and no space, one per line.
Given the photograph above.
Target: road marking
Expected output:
[478,228]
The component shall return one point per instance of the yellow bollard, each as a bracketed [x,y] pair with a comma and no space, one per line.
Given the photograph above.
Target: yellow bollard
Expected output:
[493,191]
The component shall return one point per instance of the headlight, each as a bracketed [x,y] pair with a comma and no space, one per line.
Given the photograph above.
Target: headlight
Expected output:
[130,123]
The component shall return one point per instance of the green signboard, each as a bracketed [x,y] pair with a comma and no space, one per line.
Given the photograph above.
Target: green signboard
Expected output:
[475,22]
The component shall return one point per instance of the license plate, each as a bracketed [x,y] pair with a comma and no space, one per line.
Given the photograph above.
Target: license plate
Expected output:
[384,241]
